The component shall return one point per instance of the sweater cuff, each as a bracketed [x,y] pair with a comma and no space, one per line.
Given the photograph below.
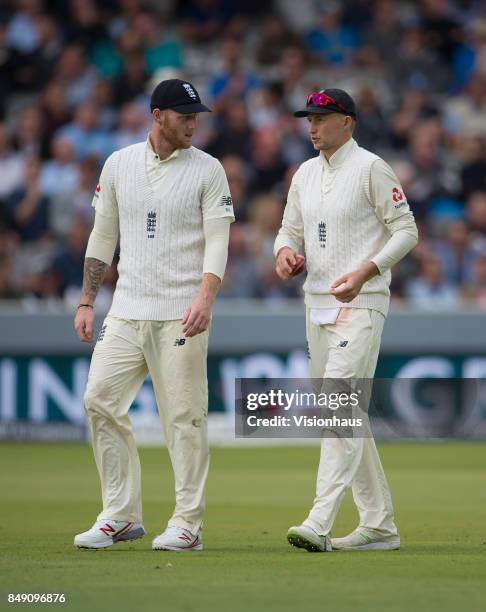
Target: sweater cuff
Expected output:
[284,241]
[380,264]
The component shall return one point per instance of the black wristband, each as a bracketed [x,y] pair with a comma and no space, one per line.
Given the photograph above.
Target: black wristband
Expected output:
[86,305]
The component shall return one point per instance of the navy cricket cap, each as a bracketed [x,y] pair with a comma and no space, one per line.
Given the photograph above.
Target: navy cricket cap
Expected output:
[178,95]
[328,101]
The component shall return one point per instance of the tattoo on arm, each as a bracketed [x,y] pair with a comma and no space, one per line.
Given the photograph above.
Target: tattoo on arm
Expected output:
[94,273]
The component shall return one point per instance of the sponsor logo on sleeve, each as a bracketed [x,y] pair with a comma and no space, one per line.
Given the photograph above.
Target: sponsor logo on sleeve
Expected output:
[398,197]
[227,203]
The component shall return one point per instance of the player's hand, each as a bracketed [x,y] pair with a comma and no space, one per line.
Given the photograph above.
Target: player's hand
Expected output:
[348,286]
[289,263]
[197,317]
[83,324]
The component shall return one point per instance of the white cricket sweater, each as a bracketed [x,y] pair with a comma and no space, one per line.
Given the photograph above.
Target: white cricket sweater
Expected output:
[346,212]
[161,226]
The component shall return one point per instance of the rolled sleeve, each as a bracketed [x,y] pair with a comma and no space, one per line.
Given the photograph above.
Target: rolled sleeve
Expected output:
[216,236]
[103,238]
[392,209]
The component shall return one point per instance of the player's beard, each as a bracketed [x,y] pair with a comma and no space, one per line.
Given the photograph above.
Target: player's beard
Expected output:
[172,136]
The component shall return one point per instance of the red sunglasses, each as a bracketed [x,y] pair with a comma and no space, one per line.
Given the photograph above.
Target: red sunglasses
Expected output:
[322,100]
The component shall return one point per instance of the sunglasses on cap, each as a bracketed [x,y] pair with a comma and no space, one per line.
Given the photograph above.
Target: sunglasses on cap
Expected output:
[322,100]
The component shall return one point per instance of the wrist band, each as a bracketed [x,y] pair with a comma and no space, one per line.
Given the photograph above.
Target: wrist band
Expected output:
[86,305]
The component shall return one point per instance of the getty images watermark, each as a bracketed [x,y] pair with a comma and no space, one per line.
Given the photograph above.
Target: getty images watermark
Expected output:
[348,407]
[302,408]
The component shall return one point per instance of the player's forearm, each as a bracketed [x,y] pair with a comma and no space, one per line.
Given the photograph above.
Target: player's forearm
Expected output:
[368,271]
[94,273]
[103,238]
[209,288]
[216,236]
[399,244]
[291,234]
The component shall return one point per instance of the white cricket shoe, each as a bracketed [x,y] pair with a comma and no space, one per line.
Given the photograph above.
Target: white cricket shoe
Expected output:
[305,537]
[106,532]
[178,539]
[366,539]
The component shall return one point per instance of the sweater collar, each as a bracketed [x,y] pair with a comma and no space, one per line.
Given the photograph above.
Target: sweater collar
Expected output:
[150,149]
[339,157]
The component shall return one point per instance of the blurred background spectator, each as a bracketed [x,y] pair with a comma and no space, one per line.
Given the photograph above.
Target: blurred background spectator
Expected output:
[76,77]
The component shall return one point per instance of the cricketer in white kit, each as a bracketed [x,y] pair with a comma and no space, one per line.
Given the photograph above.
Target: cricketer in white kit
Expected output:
[348,209]
[169,205]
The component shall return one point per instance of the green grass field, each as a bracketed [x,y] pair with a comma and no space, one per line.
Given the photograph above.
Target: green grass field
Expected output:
[50,492]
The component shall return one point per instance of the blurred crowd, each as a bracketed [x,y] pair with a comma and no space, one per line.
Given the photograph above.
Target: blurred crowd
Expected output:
[76,77]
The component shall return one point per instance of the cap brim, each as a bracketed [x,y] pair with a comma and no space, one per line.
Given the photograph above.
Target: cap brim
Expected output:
[314,109]
[188,109]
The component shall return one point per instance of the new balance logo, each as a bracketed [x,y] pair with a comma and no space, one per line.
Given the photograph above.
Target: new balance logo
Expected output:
[322,234]
[343,343]
[107,529]
[227,201]
[180,342]
[151,223]
[101,335]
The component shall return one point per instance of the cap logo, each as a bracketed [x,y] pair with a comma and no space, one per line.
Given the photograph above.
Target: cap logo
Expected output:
[190,90]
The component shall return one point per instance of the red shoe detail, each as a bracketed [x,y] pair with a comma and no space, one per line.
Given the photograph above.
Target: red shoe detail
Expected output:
[107,530]
[127,527]
[185,537]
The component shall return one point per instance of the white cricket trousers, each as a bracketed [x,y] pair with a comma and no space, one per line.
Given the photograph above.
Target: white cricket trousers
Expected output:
[124,353]
[349,462]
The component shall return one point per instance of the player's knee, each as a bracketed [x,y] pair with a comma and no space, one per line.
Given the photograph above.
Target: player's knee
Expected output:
[89,403]
[96,399]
